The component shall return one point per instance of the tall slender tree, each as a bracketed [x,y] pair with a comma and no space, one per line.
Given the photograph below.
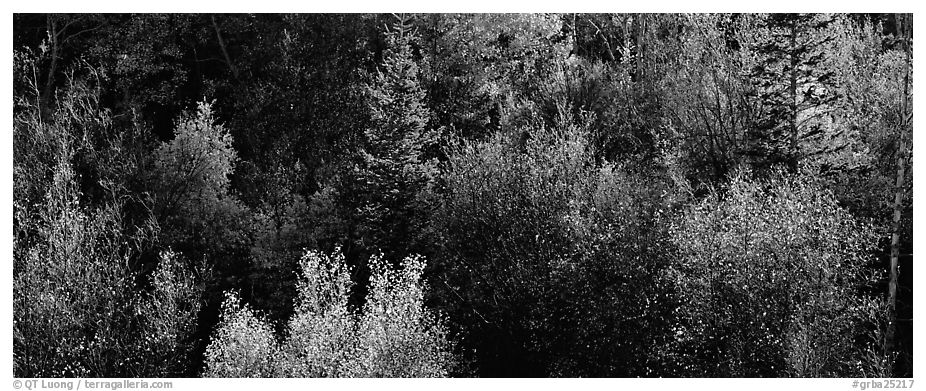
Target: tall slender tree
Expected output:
[904,27]
[393,168]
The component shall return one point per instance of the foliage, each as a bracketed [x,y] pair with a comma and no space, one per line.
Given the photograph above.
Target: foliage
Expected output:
[398,336]
[560,171]
[623,116]
[59,329]
[167,315]
[541,254]
[78,309]
[475,63]
[322,340]
[769,272]
[394,336]
[195,165]
[793,86]
[192,199]
[706,97]
[242,345]
[871,79]
[280,236]
[393,167]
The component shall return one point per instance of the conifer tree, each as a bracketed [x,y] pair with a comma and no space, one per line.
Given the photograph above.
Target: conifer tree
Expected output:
[792,87]
[393,167]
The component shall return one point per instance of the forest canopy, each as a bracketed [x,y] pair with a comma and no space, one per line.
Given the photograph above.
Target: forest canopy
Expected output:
[433,195]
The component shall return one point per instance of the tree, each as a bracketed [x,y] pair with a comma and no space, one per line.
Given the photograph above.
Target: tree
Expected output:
[393,167]
[393,336]
[794,89]
[573,179]
[550,264]
[241,345]
[298,111]
[871,63]
[191,192]
[322,340]
[906,116]
[705,100]
[78,310]
[771,273]
[399,336]
[193,169]
[475,63]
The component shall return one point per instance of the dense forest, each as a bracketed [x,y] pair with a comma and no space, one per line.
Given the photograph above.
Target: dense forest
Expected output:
[531,195]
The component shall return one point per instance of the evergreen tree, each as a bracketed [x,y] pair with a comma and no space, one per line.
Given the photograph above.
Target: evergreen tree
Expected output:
[393,167]
[193,200]
[792,87]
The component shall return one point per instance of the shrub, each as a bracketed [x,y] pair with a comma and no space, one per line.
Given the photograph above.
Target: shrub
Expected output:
[771,272]
[322,334]
[78,311]
[399,337]
[548,258]
[242,345]
[395,336]
[167,316]
[77,308]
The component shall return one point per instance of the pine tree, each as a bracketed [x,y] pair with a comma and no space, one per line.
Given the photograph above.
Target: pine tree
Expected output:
[792,86]
[393,167]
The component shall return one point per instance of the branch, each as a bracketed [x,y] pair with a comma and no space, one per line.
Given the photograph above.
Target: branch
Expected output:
[604,38]
[218,34]
[462,300]
[79,33]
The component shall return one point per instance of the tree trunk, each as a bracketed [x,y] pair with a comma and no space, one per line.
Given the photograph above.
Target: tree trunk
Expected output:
[575,35]
[218,34]
[889,343]
[47,91]
[792,98]
[640,64]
